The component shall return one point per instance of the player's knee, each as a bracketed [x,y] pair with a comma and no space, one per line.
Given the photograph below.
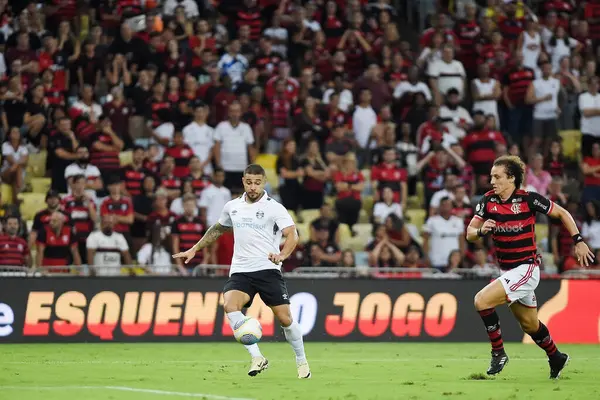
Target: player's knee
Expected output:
[529,326]
[479,301]
[285,318]
[231,305]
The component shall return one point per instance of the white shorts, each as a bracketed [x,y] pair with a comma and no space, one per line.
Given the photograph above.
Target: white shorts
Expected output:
[520,283]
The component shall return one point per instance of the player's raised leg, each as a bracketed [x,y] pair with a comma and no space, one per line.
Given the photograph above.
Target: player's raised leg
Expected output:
[525,311]
[233,303]
[486,301]
[293,334]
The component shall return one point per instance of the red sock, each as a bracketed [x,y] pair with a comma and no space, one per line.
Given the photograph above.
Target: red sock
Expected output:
[543,339]
[492,326]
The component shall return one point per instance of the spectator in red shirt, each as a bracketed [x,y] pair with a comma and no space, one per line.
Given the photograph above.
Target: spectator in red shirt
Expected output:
[27,57]
[439,23]
[105,146]
[119,205]
[292,86]
[161,215]
[168,180]
[118,111]
[14,250]
[57,245]
[349,184]
[519,115]
[591,169]
[182,154]
[388,174]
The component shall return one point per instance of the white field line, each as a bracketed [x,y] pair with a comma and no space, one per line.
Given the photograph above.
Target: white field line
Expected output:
[210,362]
[125,389]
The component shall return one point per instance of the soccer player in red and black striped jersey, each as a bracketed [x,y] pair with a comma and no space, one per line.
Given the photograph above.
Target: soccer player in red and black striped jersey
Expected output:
[82,211]
[508,213]
[14,251]
[187,230]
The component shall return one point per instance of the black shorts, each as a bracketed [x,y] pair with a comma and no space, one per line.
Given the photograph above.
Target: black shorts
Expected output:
[269,284]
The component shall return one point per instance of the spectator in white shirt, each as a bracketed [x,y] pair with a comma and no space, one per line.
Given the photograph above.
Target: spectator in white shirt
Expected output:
[446,74]
[86,105]
[278,35]
[450,182]
[105,248]
[82,166]
[346,98]
[154,257]
[386,207]
[456,118]
[163,133]
[190,8]
[589,106]
[443,234]
[177,204]
[214,197]
[411,86]
[200,137]
[234,64]
[234,148]
[14,161]
[364,119]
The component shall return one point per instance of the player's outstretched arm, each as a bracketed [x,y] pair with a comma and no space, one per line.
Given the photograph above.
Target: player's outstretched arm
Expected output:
[584,255]
[211,236]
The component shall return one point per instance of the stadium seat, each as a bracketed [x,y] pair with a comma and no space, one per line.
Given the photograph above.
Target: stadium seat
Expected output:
[345,233]
[40,185]
[367,204]
[267,161]
[272,178]
[571,143]
[37,163]
[413,203]
[125,158]
[303,232]
[309,216]
[415,217]
[364,217]
[32,203]
[363,230]
[7,194]
[421,193]
[330,200]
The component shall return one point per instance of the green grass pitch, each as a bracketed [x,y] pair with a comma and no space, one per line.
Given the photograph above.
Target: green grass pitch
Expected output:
[346,371]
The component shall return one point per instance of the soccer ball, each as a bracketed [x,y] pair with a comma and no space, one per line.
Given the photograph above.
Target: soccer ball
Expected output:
[247,331]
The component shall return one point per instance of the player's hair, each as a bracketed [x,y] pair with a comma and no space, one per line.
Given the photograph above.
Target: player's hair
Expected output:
[255,169]
[514,167]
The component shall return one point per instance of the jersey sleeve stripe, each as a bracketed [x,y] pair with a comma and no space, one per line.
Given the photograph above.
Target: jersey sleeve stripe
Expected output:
[478,217]
[551,207]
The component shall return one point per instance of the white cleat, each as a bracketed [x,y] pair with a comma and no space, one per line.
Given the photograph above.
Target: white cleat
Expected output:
[303,370]
[258,365]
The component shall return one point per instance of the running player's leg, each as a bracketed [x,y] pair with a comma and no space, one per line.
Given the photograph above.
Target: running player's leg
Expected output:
[273,291]
[525,311]
[486,301]
[237,294]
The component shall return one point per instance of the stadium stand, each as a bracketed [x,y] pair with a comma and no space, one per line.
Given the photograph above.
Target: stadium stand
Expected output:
[150,109]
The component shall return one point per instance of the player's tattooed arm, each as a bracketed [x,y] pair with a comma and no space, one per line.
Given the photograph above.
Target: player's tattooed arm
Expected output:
[211,236]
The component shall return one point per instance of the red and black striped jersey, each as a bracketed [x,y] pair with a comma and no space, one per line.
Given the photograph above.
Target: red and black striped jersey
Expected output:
[517,81]
[155,106]
[514,235]
[14,251]
[55,95]
[121,207]
[134,178]
[253,19]
[103,159]
[199,184]
[42,219]
[190,231]
[480,149]
[389,175]
[57,245]
[281,109]
[171,182]
[79,210]
[510,28]
[182,155]
[555,167]
[468,32]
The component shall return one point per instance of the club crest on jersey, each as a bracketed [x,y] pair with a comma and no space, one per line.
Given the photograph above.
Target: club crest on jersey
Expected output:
[260,214]
[516,208]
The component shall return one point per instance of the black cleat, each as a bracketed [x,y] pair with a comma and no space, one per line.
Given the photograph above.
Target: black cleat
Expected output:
[557,364]
[498,362]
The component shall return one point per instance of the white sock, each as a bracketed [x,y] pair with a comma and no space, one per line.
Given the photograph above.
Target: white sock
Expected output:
[233,318]
[293,335]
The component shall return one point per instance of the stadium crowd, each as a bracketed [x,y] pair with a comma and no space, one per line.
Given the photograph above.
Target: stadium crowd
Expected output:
[137,118]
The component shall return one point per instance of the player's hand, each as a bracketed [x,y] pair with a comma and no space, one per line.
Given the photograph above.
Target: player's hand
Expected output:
[188,255]
[488,226]
[276,258]
[584,255]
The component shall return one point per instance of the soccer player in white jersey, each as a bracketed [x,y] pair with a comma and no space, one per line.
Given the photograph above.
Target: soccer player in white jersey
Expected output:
[258,223]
